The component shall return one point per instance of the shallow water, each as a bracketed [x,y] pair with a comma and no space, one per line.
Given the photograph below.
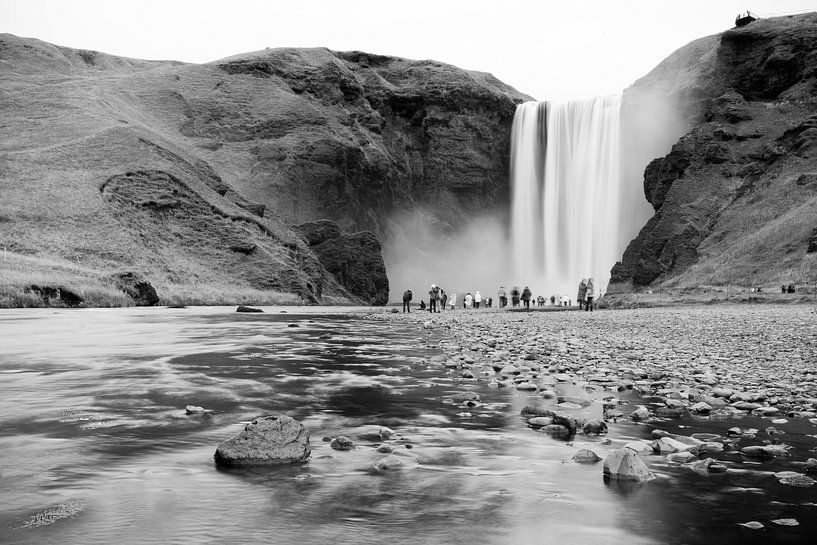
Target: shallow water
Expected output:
[95,445]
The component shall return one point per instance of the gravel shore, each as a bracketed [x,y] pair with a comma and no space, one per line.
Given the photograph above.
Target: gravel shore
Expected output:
[759,359]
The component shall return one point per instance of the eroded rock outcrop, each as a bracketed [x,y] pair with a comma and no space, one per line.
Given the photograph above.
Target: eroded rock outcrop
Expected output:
[730,201]
[355,259]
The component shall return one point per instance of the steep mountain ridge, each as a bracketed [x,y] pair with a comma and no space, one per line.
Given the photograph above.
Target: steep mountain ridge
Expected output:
[195,174]
[734,200]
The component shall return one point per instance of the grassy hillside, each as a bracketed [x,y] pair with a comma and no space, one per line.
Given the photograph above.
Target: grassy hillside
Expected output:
[192,175]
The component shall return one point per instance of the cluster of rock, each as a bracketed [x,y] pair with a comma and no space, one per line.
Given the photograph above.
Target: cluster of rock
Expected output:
[722,360]
[273,440]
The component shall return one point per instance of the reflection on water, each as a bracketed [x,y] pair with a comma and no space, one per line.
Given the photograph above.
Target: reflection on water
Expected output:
[95,445]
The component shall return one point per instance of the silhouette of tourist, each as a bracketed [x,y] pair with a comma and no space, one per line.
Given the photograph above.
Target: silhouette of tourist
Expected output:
[469,300]
[452,301]
[582,292]
[422,305]
[552,299]
[477,299]
[433,295]
[443,299]
[526,295]
[515,297]
[591,292]
[407,301]
[503,298]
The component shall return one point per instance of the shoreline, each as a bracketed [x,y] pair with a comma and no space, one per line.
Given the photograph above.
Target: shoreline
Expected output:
[732,359]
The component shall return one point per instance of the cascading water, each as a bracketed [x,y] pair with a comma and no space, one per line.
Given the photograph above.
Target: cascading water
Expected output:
[566,194]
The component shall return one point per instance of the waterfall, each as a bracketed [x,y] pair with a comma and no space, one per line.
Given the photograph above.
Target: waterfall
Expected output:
[566,216]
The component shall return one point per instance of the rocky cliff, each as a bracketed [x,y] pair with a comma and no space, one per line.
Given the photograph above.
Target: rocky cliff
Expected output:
[194,175]
[735,199]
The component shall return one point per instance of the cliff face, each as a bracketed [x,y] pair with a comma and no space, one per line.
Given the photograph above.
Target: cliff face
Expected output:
[734,199]
[194,174]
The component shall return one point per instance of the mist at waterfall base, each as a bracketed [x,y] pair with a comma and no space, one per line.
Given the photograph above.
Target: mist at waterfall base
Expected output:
[421,250]
[573,210]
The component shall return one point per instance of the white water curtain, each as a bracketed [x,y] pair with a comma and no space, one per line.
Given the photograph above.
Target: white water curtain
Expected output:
[566,187]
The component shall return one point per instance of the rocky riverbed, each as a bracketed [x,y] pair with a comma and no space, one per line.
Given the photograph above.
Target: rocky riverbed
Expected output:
[652,367]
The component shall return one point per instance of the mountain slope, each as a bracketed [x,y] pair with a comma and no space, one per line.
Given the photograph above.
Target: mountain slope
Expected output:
[195,174]
[735,200]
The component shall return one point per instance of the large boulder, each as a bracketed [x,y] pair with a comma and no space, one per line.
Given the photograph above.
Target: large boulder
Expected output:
[355,260]
[137,288]
[266,440]
[625,465]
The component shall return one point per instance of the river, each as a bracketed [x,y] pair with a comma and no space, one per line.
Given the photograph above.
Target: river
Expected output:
[96,447]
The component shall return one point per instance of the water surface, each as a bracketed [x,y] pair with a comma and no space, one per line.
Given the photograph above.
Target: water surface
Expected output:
[95,445]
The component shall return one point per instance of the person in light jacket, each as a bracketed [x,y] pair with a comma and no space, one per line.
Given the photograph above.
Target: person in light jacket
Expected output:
[477,299]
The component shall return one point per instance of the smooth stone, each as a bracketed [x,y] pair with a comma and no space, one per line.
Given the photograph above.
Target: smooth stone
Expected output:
[586,456]
[811,465]
[341,442]
[792,478]
[752,525]
[625,465]
[707,466]
[701,408]
[389,463]
[763,452]
[266,440]
[385,449]
[556,430]
[529,411]
[594,427]
[540,421]
[242,308]
[568,405]
[461,397]
[786,522]
[547,394]
[681,457]
[641,413]
[193,409]
[667,445]
[639,447]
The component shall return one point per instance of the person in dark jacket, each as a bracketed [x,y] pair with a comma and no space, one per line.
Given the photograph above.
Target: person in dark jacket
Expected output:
[407,301]
[526,295]
[433,295]
[582,292]
[515,297]
[589,295]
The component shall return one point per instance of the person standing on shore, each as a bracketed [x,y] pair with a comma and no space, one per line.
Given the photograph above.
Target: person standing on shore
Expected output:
[582,293]
[515,297]
[433,295]
[468,301]
[503,298]
[526,295]
[589,294]
[452,301]
[407,301]
[443,299]
[477,299]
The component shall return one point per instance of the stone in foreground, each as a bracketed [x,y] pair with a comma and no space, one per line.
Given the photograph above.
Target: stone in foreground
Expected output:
[265,441]
[625,465]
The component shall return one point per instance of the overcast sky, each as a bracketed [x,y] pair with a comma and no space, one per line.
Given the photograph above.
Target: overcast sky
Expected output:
[549,50]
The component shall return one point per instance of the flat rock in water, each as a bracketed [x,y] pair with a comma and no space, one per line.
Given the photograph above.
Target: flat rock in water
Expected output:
[266,440]
[193,409]
[752,525]
[625,465]
[793,478]
[586,456]
[540,421]
[786,522]
[389,463]
[242,308]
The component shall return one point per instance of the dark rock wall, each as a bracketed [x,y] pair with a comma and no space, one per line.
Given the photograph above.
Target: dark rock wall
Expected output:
[728,207]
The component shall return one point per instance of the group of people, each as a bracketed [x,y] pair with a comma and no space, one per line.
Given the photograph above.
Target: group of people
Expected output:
[587,292]
[438,299]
